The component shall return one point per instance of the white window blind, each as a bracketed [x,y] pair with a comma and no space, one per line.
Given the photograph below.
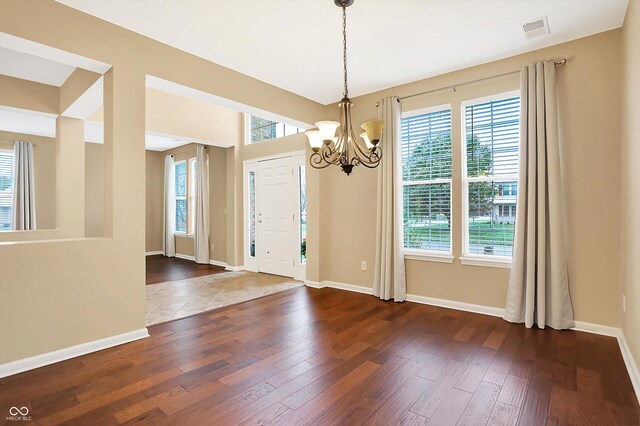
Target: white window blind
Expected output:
[426,179]
[181,196]
[492,134]
[6,189]
[264,130]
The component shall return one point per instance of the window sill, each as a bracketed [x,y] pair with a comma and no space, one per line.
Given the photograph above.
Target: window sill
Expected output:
[487,261]
[428,256]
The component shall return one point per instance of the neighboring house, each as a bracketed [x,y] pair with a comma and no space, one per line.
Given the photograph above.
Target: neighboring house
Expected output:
[504,203]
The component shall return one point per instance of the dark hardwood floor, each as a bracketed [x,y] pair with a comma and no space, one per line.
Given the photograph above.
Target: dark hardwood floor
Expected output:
[162,269]
[307,356]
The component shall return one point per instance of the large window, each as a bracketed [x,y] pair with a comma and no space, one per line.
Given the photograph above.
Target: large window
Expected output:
[185,196]
[492,131]
[426,179]
[262,129]
[6,189]
[181,196]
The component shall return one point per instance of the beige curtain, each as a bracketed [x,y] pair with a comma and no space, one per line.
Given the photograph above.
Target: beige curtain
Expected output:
[201,240]
[169,229]
[389,276]
[538,284]
[24,191]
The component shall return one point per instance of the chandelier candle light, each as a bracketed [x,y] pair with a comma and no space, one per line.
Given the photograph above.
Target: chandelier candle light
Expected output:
[345,149]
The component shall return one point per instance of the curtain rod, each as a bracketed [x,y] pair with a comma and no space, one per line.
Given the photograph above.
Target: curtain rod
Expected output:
[560,62]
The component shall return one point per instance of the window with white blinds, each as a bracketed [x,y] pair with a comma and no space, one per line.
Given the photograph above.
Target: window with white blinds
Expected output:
[492,135]
[6,189]
[426,180]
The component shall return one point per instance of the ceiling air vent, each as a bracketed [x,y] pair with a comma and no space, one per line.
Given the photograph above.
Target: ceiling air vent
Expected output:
[536,28]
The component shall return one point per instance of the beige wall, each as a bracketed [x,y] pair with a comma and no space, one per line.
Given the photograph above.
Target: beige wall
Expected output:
[91,288]
[93,190]
[76,84]
[630,248]
[29,95]
[188,118]
[83,289]
[154,200]
[44,159]
[589,93]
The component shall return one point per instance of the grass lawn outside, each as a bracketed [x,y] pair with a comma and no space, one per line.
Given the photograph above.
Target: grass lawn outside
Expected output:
[480,233]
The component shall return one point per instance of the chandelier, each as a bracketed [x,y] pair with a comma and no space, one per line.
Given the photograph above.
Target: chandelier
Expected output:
[345,149]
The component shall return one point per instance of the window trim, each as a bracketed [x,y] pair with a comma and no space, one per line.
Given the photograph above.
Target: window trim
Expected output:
[427,255]
[467,258]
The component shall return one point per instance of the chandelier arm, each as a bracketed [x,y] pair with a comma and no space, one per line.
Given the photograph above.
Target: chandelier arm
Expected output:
[357,148]
[329,155]
[367,157]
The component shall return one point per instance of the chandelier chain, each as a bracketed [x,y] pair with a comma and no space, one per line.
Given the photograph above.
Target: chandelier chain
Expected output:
[344,49]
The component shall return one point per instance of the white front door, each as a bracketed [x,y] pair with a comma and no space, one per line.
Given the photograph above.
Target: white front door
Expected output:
[275,216]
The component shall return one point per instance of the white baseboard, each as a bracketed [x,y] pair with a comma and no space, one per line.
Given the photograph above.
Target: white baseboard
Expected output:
[153,253]
[349,287]
[630,362]
[460,306]
[217,263]
[185,257]
[234,268]
[15,367]
[603,330]
[586,327]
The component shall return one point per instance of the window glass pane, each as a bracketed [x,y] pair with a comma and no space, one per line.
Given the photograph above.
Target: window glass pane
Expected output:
[427,216]
[426,146]
[264,130]
[181,215]
[426,156]
[303,215]
[491,219]
[6,189]
[252,214]
[181,179]
[493,134]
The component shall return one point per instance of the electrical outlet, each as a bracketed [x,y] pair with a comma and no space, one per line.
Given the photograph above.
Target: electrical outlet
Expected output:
[363,265]
[211,247]
[624,303]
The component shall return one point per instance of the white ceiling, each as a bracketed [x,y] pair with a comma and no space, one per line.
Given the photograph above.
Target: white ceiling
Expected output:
[37,62]
[33,68]
[296,44]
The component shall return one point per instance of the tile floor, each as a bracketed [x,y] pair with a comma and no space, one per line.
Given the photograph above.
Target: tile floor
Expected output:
[178,299]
